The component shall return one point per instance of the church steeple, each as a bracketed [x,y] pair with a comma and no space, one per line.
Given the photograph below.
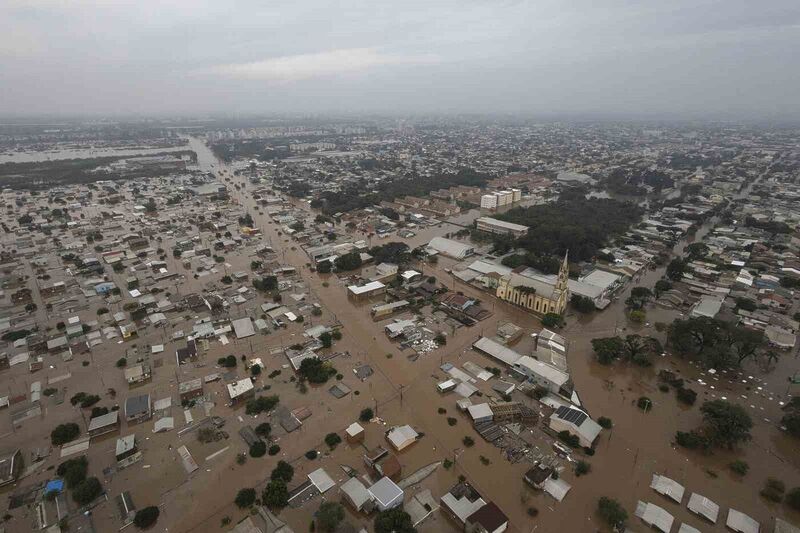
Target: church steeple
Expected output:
[563,274]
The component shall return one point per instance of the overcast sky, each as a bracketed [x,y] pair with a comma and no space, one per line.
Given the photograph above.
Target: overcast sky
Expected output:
[670,58]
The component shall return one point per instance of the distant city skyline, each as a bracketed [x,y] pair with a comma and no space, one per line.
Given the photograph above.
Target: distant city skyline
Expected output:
[679,60]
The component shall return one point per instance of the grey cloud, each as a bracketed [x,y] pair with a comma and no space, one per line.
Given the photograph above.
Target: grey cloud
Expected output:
[681,58]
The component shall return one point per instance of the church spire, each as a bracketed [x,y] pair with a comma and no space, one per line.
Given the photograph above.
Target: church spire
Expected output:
[563,273]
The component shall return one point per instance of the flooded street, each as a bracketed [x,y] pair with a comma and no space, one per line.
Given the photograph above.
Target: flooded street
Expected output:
[627,456]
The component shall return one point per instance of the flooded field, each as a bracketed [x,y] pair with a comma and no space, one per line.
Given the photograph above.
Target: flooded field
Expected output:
[56,153]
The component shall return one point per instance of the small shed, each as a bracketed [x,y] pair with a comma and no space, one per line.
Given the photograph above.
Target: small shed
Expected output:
[354,433]
[402,437]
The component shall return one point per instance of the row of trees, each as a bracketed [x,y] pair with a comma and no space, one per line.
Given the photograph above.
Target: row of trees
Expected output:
[713,343]
[631,348]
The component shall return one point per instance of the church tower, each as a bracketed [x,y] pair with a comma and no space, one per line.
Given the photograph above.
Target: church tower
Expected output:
[561,288]
[563,274]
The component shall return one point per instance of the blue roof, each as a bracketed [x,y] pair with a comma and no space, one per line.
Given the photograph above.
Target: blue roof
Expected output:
[55,485]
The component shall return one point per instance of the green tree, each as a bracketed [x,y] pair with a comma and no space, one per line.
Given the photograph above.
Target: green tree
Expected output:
[261,404]
[793,498]
[64,433]
[366,415]
[551,320]
[325,338]
[639,297]
[607,349]
[73,471]
[245,498]
[612,512]
[87,490]
[258,449]
[315,371]
[275,495]
[661,287]
[739,467]
[677,268]
[324,267]
[582,304]
[394,521]
[348,262]
[283,471]
[266,284]
[329,516]
[332,440]
[725,424]
[146,517]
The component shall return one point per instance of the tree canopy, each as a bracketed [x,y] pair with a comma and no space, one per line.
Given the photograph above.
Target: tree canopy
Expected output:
[146,517]
[283,471]
[275,495]
[245,498]
[349,261]
[64,433]
[713,343]
[394,521]
[612,512]
[329,516]
[315,371]
[573,222]
[725,424]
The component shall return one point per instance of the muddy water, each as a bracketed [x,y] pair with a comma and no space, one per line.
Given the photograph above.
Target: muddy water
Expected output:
[638,446]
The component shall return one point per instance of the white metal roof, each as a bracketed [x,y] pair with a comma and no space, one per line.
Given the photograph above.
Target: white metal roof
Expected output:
[356,491]
[686,528]
[481,410]
[701,505]
[125,444]
[502,224]
[385,491]
[321,480]
[738,521]
[243,327]
[402,436]
[367,287]
[354,429]
[497,350]
[654,516]
[548,372]
[240,387]
[103,420]
[668,487]
[557,488]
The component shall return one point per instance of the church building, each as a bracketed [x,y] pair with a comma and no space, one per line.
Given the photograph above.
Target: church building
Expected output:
[536,295]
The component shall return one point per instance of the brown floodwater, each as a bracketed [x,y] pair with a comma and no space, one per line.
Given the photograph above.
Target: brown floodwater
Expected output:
[639,445]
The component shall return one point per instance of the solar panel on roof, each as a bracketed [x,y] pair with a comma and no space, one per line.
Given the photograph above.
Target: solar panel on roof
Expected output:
[573,416]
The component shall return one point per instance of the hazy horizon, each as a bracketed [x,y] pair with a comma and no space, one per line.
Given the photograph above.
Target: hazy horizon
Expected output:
[725,60]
